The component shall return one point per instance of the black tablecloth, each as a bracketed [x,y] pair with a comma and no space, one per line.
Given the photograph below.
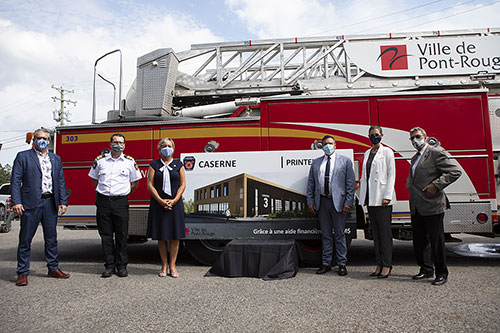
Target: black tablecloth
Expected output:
[266,259]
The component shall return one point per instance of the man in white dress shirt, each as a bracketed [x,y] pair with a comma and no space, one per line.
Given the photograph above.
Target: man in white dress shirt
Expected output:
[115,176]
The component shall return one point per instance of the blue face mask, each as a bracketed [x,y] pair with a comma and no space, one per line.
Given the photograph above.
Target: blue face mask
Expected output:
[328,149]
[41,144]
[167,151]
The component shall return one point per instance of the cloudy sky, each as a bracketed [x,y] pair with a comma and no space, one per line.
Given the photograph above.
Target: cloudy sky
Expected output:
[45,43]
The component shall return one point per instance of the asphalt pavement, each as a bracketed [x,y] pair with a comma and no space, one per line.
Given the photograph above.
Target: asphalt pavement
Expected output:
[470,301]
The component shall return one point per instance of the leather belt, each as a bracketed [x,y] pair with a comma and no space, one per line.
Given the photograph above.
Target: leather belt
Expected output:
[329,196]
[47,195]
[111,197]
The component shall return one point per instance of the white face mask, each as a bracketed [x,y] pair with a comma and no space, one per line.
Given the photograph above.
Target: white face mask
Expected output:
[418,143]
[117,147]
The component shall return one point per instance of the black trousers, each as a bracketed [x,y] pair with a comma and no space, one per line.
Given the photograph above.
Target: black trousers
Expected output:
[112,224]
[380,222]
[428,243]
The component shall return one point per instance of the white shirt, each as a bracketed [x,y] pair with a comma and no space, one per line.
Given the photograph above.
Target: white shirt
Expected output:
[322,169]
[46,167]
[114,175]
[419,156]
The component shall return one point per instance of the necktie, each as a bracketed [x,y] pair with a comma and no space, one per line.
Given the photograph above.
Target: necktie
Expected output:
[327,176]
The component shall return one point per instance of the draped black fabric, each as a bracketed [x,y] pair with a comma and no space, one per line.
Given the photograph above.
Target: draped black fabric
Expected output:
[266,259]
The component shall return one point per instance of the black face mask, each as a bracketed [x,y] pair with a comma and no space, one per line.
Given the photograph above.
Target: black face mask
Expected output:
[375,139]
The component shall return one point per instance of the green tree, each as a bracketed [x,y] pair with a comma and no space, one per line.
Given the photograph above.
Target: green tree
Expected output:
[188,206]
[5,173]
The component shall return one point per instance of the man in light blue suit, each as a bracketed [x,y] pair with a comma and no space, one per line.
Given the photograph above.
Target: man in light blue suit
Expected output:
[330,192]
[38,192]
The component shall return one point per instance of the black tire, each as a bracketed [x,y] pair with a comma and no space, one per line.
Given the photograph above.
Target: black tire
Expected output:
[205,251]
[8,224]
[310,251]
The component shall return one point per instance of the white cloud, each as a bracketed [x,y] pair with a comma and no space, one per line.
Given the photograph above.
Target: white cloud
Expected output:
[277,19]
[63,52]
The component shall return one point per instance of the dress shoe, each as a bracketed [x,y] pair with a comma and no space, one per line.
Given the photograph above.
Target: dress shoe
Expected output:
[323,269]
[375,274]
[122,272]
[58,274]
[342,270]
[22,280]
[384,276]
[108,272]
[422,275]
[439,281]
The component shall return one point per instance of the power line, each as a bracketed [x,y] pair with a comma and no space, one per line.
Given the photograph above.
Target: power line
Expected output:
[415,17]
[465,11]
[61,115]
[379,17]
[26,100]
[17,138]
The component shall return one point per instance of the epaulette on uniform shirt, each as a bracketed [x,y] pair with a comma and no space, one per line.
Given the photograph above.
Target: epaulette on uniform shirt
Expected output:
[132,159]
[97,159]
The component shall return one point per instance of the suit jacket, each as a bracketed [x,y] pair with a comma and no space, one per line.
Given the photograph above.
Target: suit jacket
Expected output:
[382,178]
[342,183]
[26,180]
[434,167]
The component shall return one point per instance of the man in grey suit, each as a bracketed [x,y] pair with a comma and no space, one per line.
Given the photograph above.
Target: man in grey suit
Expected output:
[330,192]
[431,171]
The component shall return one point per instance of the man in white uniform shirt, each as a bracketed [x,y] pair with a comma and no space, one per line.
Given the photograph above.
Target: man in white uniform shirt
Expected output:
[115,176]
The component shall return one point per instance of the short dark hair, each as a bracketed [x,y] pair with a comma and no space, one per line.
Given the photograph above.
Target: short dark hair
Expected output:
[375,127]
[418,129]
[117,134]
[327,137]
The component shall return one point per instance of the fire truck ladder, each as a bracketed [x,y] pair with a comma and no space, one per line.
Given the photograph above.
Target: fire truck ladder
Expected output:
[224,72]
[297,64]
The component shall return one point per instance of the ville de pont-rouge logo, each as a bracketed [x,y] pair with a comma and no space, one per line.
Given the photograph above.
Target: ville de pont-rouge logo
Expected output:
[393,57]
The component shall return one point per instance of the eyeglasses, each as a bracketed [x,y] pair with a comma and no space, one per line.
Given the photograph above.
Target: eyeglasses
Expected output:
[418,137]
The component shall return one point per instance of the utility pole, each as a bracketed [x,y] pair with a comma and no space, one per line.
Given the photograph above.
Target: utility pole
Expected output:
[61,115]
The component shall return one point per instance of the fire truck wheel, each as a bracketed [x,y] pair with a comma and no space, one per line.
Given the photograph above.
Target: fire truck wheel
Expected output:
[310,251]
[8,224]
[205,251]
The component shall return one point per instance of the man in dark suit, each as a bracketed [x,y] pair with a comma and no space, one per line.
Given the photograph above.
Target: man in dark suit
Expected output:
[38,193]
[330,192]
[431,171]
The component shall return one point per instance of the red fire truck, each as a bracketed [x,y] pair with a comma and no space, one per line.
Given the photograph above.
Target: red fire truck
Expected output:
[274,96]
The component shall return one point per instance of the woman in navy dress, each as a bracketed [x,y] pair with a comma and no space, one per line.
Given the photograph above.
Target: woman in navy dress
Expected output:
[166,183]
